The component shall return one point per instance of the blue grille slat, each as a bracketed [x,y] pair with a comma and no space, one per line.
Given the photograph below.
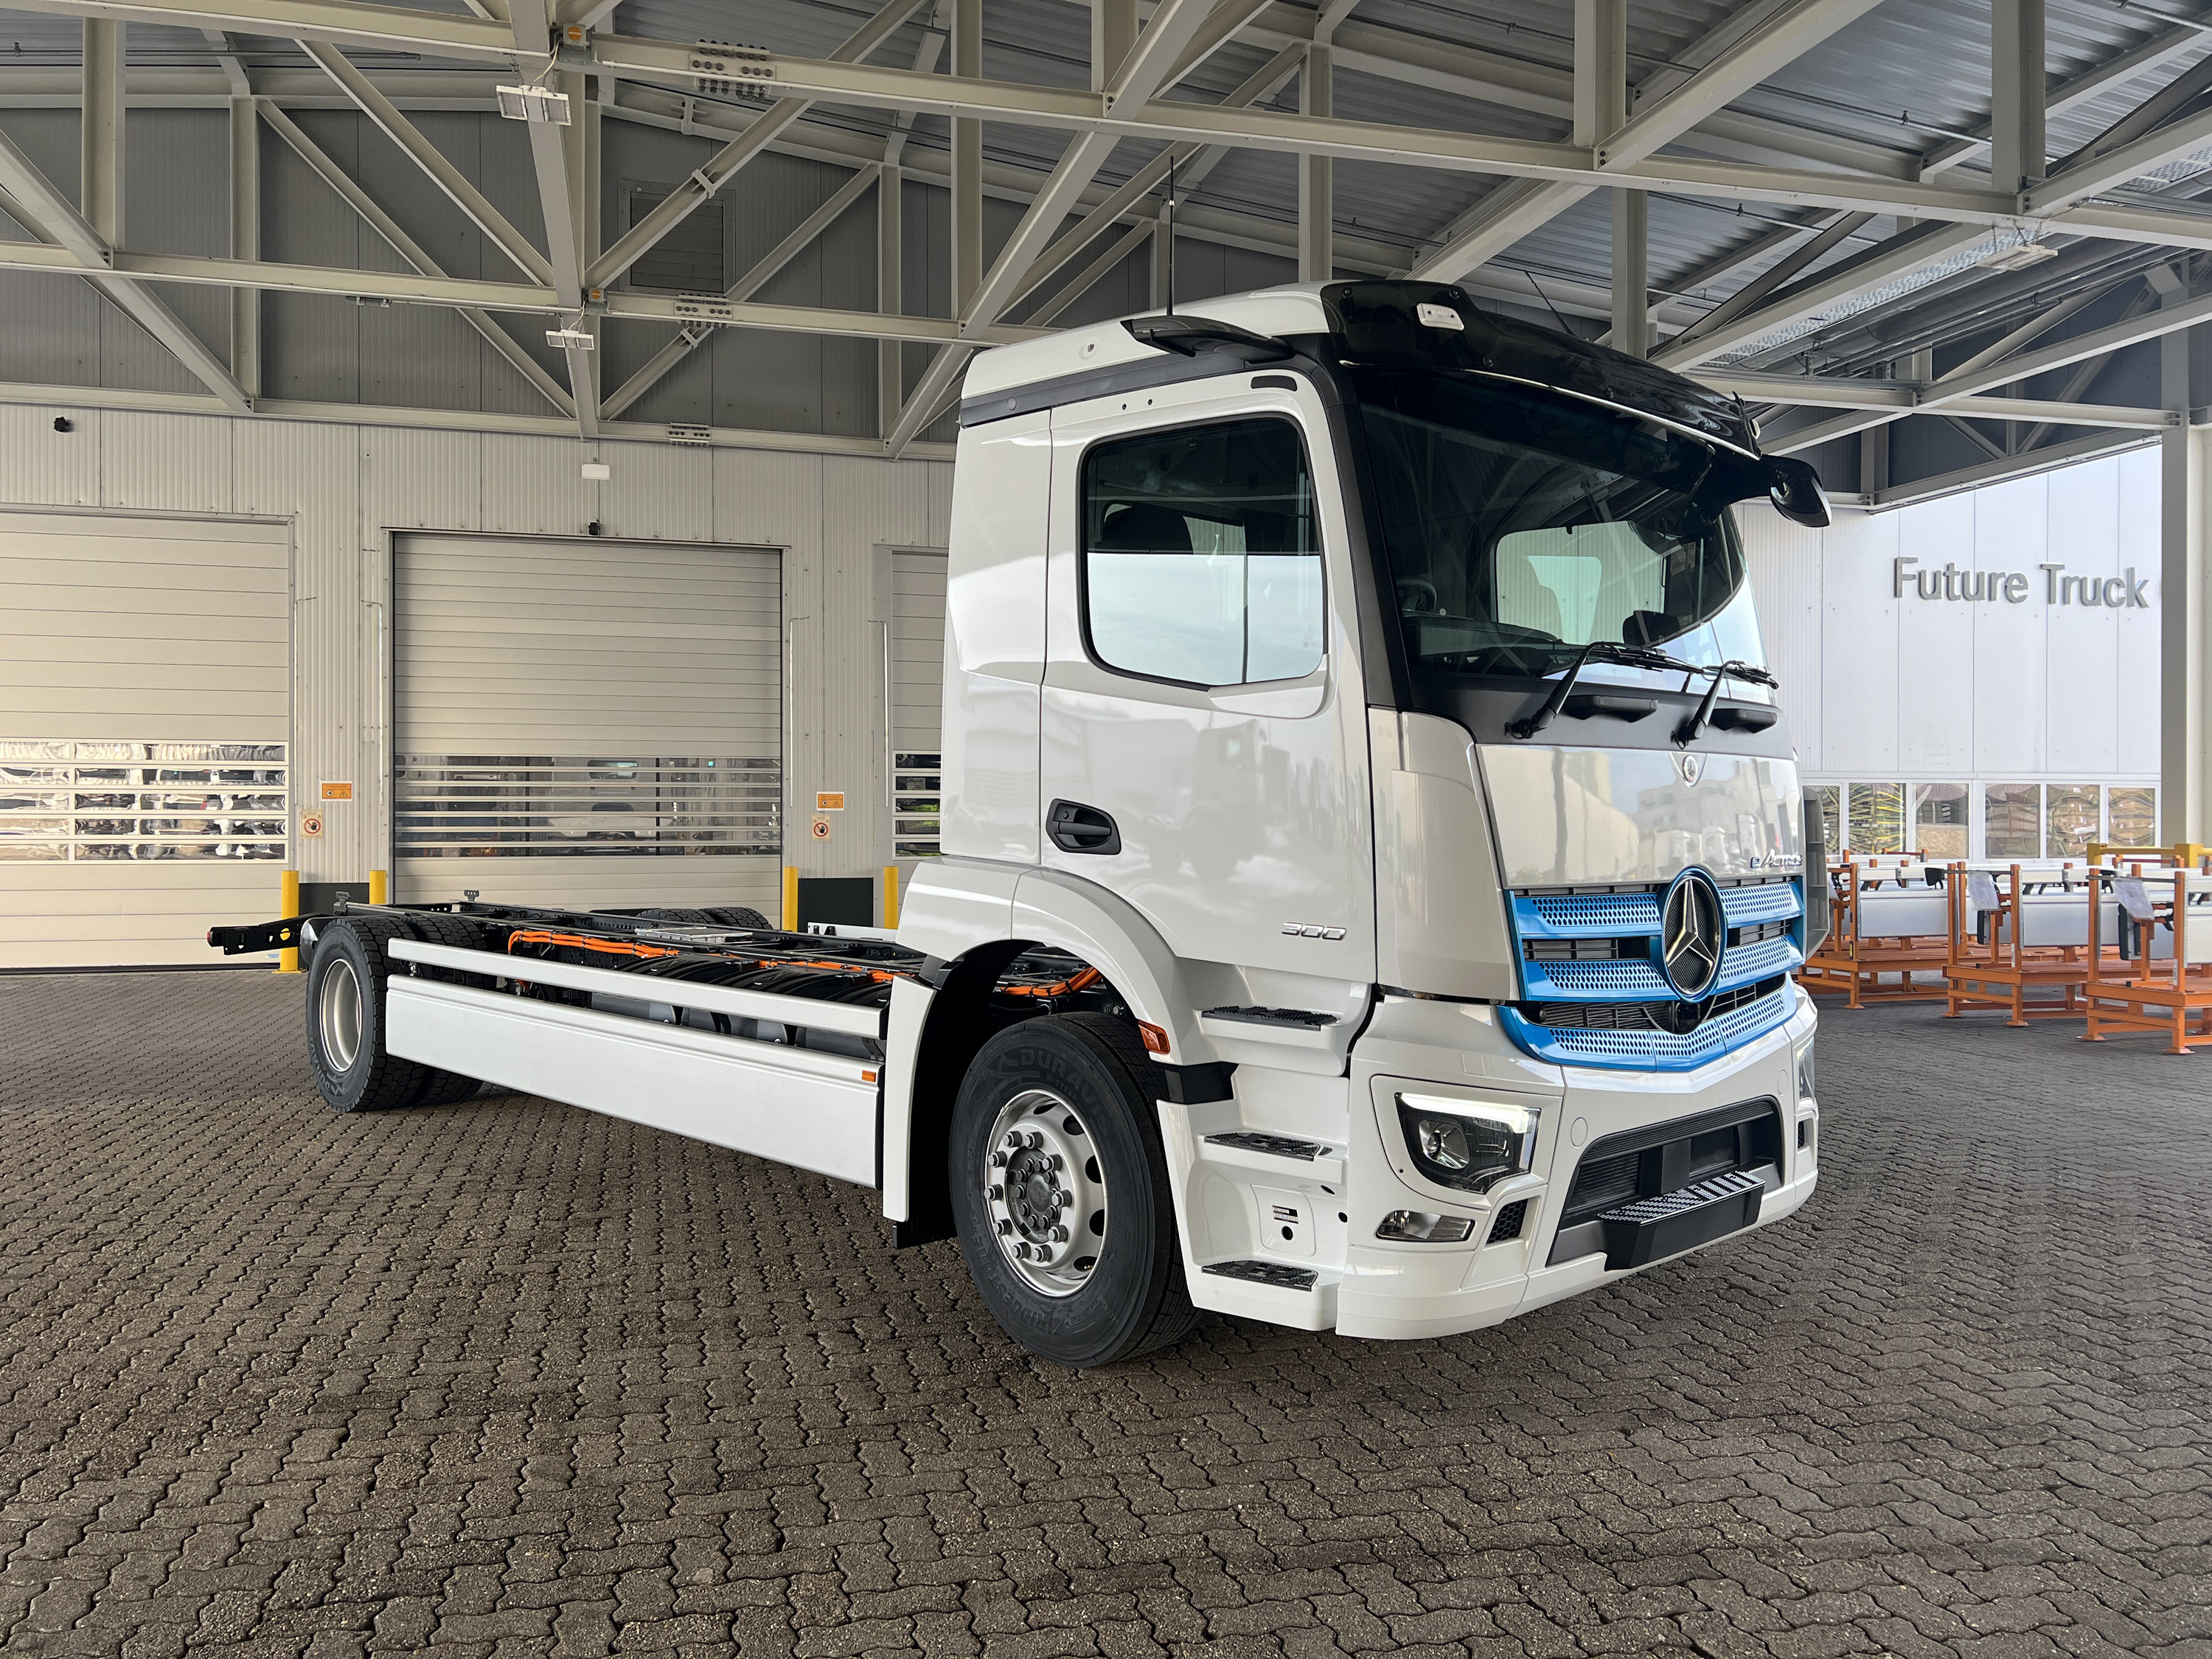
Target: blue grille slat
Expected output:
[1650,1051]
[1585,916]
[1747,963]
[1628,981]
[1773,901]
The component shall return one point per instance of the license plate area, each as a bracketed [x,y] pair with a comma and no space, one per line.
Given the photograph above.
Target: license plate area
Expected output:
[1651,1229]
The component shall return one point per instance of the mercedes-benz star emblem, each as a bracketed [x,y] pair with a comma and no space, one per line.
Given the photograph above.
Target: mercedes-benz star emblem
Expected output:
[1692,933]
[1691,768]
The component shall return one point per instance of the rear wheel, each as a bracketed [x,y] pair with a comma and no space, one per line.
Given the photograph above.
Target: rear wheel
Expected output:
[1060,1191]
[345,1021]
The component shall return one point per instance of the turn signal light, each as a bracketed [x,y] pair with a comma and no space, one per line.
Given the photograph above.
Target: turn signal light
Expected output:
[1156,1039]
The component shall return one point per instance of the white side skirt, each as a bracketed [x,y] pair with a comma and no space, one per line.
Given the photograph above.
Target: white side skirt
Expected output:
[814,1111]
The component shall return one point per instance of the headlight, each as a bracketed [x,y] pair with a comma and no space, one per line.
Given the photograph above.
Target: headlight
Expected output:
[1805,1090]
[1470,1145]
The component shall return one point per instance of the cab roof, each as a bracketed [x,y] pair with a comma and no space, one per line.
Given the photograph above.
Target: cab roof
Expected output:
[1384,324]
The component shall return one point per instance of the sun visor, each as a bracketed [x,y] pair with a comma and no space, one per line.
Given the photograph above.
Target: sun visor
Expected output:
[1396,325]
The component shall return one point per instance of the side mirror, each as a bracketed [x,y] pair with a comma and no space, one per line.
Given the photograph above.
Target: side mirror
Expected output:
[1795,489]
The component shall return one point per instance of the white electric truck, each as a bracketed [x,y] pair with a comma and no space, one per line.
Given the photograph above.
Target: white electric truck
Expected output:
[1373,868]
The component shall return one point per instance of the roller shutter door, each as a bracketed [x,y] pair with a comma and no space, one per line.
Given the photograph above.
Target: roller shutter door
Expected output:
[917,701]
[587,722]
[145,720]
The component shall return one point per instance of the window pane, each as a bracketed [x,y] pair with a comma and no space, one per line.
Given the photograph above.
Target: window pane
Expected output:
[2014,821]
[2069,819]
[1201,562]
[1877,817]
[2135,817]
[1939,820]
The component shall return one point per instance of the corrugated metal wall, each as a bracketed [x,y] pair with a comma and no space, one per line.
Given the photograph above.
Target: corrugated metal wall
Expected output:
[344,489]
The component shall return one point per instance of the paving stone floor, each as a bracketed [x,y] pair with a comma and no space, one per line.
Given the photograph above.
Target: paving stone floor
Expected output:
[506,1378]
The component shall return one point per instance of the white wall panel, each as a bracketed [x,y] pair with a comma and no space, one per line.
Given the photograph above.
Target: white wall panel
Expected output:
[2136,676]
[2080,709]
[1948,690]
[1935,658]
[421,480]
[39,465]
[166,462]
[1859,663]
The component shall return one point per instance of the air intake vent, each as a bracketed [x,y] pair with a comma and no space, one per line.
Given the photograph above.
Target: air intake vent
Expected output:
[692,258]
[1510,1220]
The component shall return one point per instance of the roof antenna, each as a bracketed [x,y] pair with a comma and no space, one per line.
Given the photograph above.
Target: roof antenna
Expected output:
[1548,306]
[1167,230]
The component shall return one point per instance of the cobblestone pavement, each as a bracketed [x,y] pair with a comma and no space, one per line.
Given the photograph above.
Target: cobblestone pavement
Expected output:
[506,1378]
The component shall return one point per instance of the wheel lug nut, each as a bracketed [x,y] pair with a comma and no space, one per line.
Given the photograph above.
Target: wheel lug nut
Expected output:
[1058,1162]
[1023,1251]
[996,1193]
[1005,1226]
[998,1160]
[1037,1137]
[1060,1235]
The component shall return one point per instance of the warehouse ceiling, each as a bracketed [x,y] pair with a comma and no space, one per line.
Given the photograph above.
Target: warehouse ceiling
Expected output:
[1851,214]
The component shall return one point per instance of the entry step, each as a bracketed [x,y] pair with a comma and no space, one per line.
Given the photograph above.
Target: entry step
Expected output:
[1258,1140]
[1652,1228]
[1280,1274]
[1304,1018]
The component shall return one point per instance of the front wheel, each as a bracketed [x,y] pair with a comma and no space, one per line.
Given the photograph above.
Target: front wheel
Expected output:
[1060,1191]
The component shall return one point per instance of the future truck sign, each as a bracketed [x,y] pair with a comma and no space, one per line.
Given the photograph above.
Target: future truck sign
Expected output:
[2119,593]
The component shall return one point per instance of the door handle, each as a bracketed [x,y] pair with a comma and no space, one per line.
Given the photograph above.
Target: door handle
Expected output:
[1075,828]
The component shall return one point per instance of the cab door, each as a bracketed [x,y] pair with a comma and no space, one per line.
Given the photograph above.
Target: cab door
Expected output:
[1204,745]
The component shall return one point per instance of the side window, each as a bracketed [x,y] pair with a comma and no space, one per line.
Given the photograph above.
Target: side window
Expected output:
[1201,560]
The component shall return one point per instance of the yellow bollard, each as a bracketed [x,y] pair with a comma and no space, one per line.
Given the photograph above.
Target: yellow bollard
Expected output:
[790,898]
[891,896]
[288,904]
[380,886]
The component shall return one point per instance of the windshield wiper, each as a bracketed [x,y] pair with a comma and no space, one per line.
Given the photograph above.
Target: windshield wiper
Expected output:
[1629,656]
[1690,730]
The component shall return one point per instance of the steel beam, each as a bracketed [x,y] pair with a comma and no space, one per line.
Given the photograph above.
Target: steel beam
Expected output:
[1631,286]
[1773,277]
[1317,174]
[967,202]
[437,34]
[1192,162]
[763,270]
[2016,93]
[1173,25]
[1789,34]
[2090,84]
[385,116]
[81,251]
[99,165]
[705,182]
[1897,256]
[556,158]
[408,249]
[2118,165]
[245,136]
[2184,730]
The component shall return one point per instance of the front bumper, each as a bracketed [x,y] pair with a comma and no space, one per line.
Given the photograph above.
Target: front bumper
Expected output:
[1390,1290]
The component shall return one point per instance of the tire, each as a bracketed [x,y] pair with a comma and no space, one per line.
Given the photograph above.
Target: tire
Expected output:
[1089,1072]
[679,918]
[741,916]
[346,1020]
[440,1086]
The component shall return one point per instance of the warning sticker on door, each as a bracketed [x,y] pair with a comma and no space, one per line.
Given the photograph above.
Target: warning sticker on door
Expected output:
[338,791]
[829,800]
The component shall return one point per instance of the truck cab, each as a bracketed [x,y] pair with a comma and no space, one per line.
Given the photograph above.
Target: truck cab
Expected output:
[1373,866]
[1370,690]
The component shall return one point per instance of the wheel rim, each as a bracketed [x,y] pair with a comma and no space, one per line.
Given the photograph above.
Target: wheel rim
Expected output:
[1045,1192]
[340,1015]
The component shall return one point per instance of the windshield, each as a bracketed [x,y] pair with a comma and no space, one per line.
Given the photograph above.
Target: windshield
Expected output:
[1520,525]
